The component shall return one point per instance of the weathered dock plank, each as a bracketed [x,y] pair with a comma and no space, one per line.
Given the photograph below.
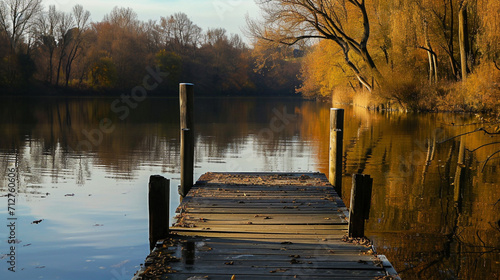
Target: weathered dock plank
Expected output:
[262,226]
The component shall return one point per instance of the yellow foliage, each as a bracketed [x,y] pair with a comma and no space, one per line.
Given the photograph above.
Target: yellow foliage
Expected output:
[481,90]
[103,73]
[490,27]
[323,70]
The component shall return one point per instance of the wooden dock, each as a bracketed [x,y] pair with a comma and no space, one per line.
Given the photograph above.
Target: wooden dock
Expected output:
[263,226]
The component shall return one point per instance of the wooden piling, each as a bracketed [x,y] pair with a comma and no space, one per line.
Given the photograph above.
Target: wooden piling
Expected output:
[336,150]
[359,209]
[159,208]
[186,100]
[187,161]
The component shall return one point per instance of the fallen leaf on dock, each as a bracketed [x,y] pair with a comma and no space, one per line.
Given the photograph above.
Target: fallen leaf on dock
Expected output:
[229,263]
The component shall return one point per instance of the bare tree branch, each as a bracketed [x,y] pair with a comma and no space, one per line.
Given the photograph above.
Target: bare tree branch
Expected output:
[496,66]
[17,17]
[482,146]
[488,159]
[470,132]
[290,21]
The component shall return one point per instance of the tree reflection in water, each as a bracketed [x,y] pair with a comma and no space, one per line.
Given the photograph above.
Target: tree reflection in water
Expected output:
[426,225]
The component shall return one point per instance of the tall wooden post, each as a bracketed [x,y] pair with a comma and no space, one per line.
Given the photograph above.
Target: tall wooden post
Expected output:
[186,99]
[187,161]
[159,208]
[359,209]
[336,143]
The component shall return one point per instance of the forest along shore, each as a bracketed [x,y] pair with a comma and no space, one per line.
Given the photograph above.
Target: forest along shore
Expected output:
[432,56]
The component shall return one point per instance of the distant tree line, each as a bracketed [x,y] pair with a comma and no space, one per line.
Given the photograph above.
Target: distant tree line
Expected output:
[51,49]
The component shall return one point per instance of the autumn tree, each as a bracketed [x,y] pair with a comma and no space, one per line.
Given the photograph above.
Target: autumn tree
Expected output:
[17,17]
[344,22]
[171,63]
[276,66]
[325,74]
[16,20]
[225,61]
[120,37]
[489,30]
[103,74]
[46,29]
[81,20]
[179,33]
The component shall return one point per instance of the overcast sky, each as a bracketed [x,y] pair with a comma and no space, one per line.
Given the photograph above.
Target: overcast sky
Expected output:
[229,14]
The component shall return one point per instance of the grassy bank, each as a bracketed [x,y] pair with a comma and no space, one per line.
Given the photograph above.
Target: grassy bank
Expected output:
[479,93]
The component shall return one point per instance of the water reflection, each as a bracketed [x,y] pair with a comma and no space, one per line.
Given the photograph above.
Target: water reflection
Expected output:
[426,225]
[84,171]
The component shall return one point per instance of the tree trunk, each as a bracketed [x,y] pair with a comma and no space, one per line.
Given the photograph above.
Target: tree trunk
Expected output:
[450,51]
[463,38]
[51,66]
[431,67]
[430,54]
[69,62]
[58,72]
[361,79]
[434,61]
[364,42]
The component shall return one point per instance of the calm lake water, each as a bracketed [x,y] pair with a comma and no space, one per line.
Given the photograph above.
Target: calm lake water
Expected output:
[83,168]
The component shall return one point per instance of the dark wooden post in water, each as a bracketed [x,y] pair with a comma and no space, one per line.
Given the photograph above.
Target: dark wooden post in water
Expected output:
[159,208]
[336,143]
[359,210]
[187,160]
[186,99]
